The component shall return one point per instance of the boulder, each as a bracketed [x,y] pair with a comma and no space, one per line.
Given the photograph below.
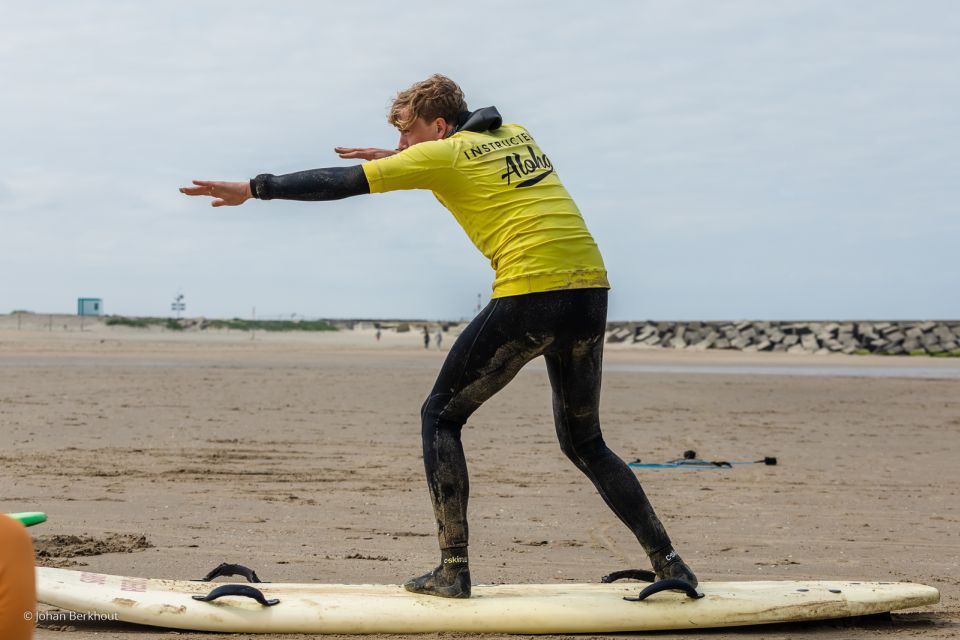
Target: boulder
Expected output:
[894,337]
[651,340]
[619,335]
[943,332]
[866,330]
[644,332]
[929,339]
[911,345]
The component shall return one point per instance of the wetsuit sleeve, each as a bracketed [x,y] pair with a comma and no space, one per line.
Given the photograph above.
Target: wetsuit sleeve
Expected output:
[333,183]
[428,165]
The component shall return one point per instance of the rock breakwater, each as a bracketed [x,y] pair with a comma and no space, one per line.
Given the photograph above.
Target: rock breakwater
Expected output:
[895,337]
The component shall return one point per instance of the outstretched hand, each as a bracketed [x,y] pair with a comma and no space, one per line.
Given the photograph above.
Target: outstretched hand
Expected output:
[224,193]
[369,153]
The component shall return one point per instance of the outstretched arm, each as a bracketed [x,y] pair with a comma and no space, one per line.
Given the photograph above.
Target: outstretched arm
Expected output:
[316,184]
[333,183]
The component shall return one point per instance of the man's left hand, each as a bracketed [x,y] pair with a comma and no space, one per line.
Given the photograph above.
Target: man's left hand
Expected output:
[368,153]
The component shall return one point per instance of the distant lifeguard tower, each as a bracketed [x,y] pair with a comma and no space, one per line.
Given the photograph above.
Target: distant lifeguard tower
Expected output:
[89,307]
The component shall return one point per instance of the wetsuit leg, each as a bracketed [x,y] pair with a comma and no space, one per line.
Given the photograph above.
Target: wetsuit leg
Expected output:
[485,357]
[568,328]
[574,364]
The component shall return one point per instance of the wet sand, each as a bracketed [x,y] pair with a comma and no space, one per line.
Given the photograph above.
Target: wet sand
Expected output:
[299,455]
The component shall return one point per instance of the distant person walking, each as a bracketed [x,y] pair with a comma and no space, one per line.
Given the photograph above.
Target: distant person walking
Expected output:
[439,337]
[549,299]
[426,337]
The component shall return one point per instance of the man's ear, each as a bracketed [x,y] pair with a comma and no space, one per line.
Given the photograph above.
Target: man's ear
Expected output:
[442,127]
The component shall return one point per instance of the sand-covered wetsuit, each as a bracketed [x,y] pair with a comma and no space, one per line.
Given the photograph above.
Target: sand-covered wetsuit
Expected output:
[549,299]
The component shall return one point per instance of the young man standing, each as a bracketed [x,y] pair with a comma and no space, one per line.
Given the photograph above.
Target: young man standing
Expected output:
[549,299]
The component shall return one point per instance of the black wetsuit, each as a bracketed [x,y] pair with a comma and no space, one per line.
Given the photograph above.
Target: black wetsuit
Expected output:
[567,328]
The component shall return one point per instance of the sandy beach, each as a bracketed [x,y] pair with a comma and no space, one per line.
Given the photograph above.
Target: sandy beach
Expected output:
[168,453]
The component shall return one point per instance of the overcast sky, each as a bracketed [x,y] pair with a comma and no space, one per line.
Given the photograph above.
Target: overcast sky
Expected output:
[741,159]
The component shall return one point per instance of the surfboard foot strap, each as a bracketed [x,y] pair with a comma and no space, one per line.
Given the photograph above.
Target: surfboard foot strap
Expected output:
[237,590]
[635,574]
[227,569]
[670,584]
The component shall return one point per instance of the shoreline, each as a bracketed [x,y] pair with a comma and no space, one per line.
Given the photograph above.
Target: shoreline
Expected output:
[127,342]
[915,338]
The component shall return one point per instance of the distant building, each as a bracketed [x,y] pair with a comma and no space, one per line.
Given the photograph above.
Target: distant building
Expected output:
[89,307]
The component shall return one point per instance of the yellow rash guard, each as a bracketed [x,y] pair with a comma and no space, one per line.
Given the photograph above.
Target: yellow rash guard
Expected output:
[505,194]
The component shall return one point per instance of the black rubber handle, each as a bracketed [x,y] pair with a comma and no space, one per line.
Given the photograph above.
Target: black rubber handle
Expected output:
[226,569]
[635,574]
[244,590]
[670,584]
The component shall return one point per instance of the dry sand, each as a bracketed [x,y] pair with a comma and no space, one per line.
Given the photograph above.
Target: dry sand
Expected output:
[299,455]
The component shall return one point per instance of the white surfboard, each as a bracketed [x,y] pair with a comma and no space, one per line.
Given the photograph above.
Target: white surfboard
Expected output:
[515,608]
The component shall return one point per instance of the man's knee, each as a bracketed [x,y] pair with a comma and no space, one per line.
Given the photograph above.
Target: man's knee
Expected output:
[585,450]
[433,407]
[435,414]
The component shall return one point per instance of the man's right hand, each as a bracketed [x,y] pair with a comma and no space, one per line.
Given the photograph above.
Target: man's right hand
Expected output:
[223,193]
[370,153]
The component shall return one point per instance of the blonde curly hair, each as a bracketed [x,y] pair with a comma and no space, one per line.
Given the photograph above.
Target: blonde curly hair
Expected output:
[436,97]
